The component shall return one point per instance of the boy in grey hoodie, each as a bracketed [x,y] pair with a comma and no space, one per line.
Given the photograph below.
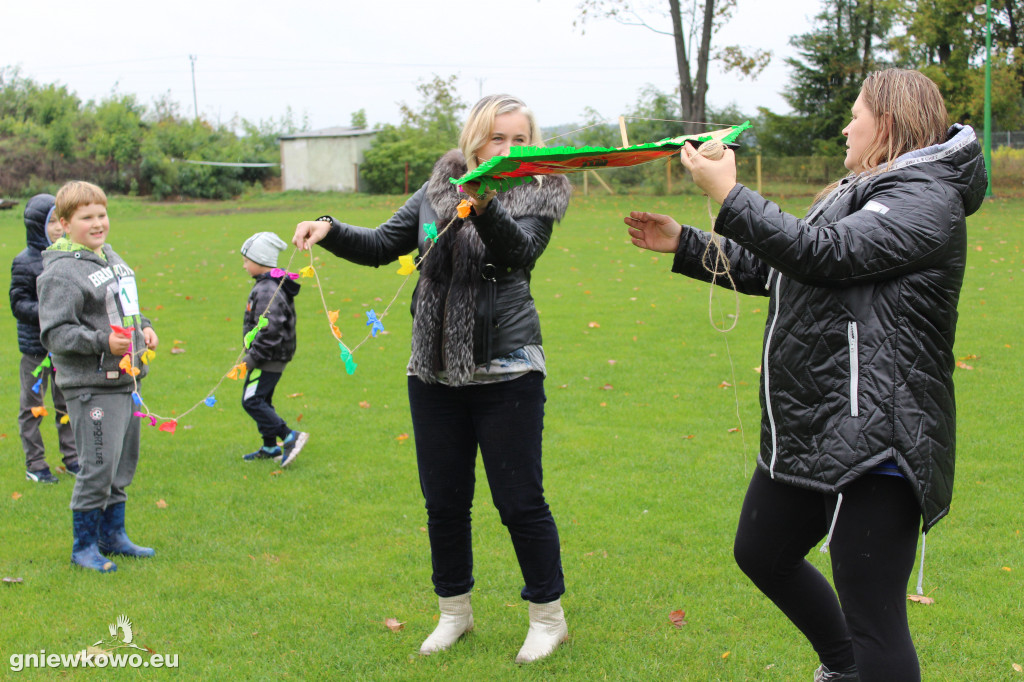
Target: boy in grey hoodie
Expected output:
[35,372]
[91,323]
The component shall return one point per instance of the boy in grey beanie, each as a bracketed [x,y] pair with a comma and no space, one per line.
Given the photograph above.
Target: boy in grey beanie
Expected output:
[272,347]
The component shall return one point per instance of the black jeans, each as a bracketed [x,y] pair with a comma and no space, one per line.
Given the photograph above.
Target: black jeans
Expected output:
[258,402]
[505,420]
[872,551]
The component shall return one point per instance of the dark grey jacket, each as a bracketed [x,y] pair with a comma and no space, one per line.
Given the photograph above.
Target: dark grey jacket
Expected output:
[80,297]
[858,347]
[25,270]
[472,301]
[273,346]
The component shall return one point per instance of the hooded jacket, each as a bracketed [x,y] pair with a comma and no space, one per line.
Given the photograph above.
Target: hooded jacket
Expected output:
[80,296]
[25,270]
[274,345]
[858,345]
[472,301]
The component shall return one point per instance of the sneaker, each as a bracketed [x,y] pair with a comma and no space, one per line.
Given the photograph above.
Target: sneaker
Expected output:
[41,476]
[73,469]
[292,445]
[264,453]
[823,674]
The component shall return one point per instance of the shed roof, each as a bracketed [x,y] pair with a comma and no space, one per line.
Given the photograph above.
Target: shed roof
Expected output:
[336,131]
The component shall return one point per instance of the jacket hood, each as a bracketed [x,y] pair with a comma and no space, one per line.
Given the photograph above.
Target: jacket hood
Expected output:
[958,162]
[289,286]
[37,214]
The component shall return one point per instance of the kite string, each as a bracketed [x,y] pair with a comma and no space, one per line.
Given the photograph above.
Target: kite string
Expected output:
[714,150]
[635,118]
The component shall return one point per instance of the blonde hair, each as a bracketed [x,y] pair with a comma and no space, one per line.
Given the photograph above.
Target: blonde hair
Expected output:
[909,114]
[75,194]
[480,124]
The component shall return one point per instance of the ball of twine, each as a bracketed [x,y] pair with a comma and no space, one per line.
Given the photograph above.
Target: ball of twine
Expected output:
[711,149]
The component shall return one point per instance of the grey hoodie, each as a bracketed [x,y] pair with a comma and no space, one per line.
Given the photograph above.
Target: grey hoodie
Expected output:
[80,297]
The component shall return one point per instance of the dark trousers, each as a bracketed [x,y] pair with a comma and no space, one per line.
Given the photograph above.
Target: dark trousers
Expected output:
[28,424]
[258,402]
[872,552]
[505,421]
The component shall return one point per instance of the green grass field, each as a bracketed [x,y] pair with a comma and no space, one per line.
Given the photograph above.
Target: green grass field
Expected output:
[262,574]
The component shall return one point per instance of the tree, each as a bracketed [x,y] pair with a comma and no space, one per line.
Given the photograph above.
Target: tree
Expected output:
[358,119]
[695,22]
[424,135]
[834,58]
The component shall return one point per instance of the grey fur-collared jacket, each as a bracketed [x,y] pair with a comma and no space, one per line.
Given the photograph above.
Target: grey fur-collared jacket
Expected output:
[472,301]
[858,346]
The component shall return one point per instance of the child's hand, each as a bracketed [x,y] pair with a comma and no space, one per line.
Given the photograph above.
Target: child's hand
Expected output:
[151,339]
[119,345]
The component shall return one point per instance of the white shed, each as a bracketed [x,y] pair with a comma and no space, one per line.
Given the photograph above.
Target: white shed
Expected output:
[324,160]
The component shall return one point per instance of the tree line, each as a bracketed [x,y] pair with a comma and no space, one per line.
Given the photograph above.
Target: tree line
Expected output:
[47,134]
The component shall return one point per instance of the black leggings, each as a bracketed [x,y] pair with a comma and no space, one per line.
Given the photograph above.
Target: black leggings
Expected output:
[872,551]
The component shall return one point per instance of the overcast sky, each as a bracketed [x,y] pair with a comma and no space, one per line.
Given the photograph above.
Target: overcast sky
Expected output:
[327,60]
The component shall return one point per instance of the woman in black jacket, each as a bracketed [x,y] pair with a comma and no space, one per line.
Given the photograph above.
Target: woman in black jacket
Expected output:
[858,414]
[476,375]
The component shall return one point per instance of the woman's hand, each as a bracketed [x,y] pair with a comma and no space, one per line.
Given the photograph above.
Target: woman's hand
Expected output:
[716,178]
[477,199]
[309,232]
[653,231]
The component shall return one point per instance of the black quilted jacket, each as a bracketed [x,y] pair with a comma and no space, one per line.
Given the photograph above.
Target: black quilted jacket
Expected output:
[858,346]
[25,270]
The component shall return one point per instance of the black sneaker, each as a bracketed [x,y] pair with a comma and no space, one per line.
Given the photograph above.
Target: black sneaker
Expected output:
[41,476]
[264,453]
[292,445]
[73,469]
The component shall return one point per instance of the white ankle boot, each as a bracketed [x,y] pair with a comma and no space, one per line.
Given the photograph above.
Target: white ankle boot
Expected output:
[547,631]
[456,619]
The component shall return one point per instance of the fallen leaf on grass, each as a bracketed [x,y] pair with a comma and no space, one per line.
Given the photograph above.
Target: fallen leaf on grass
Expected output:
[161,504]
[1006,568]
[734,429]
[678,618]
[177,351]
[726,655]
[393,624]
[15,495]
[607,387]
[14,580]
[920,599]
[593,325]
[364,404]
[963,365]
[725,384]
[294,395]
[277,473]
[402,437]
[1018,667]
[299,417]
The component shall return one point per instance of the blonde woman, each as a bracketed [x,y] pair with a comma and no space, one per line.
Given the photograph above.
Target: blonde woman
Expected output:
[476,375]
[858,416]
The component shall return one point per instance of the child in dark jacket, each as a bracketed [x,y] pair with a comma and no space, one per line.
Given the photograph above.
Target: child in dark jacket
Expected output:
[92,324]
[271,348]
[42,228]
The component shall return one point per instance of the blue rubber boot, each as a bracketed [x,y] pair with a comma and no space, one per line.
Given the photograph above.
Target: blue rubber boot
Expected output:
[84,552]
[113,539]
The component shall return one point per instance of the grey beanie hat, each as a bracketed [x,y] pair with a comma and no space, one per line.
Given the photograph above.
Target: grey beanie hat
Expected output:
[263,248]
